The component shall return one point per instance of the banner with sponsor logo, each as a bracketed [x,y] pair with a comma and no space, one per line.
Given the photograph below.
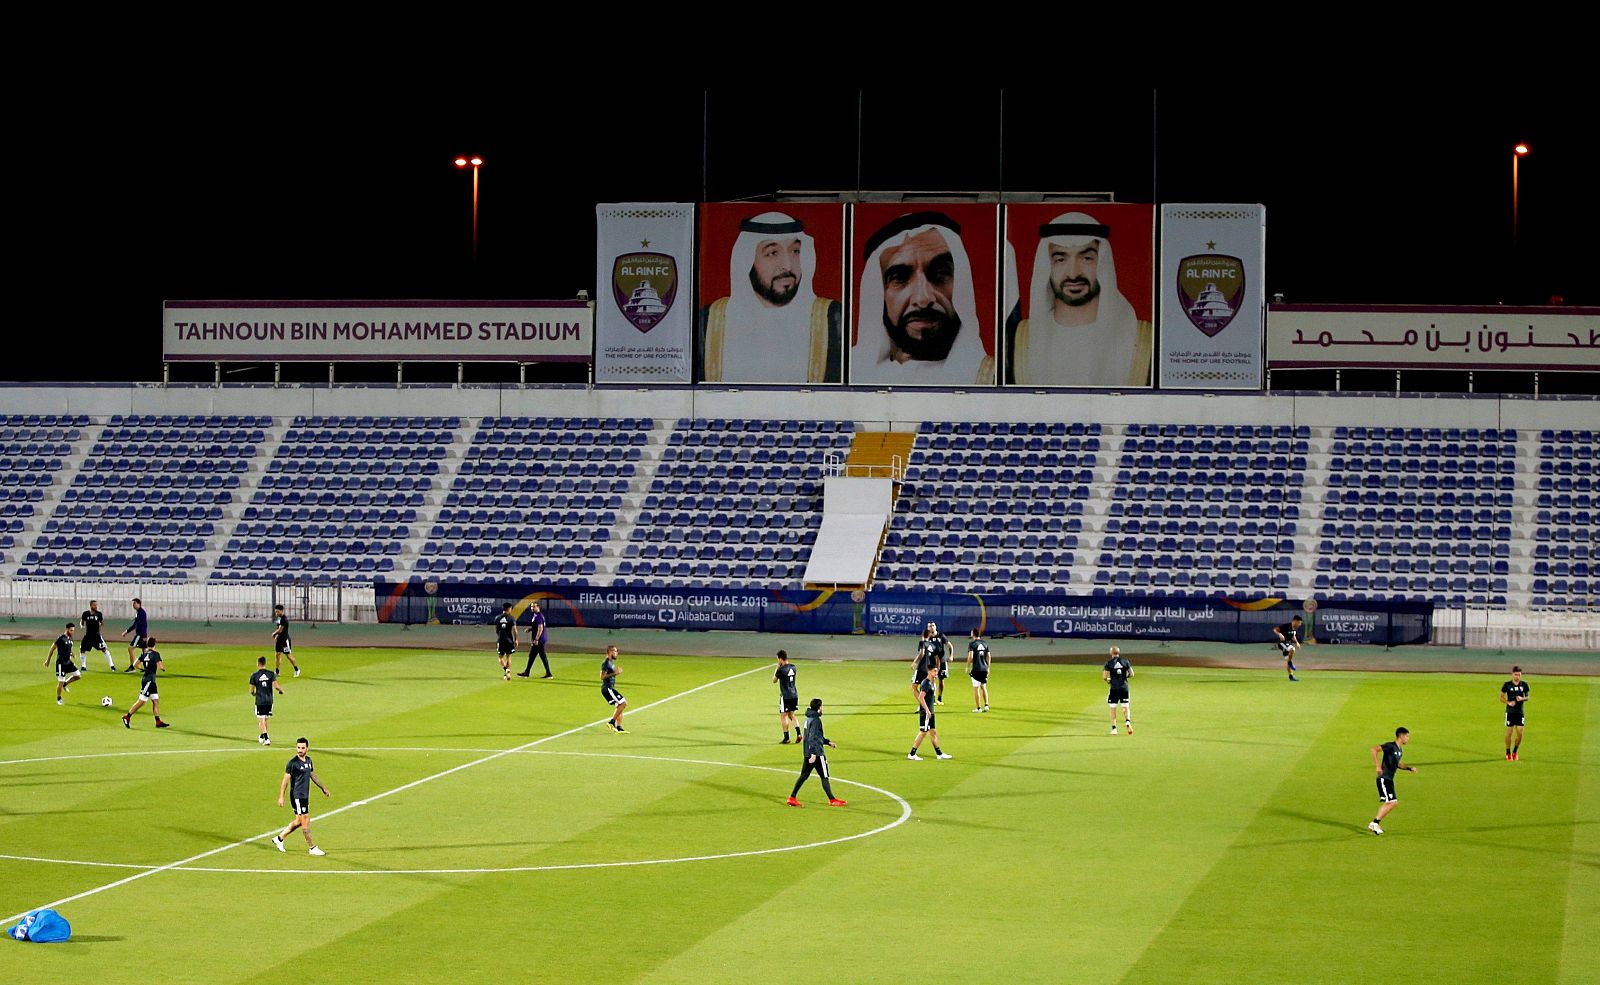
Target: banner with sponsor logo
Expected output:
[1310,336]
[905,613]
[925,301]
[1078,303]
[387,331]
[1212,289]
[745,610]
[644,278]
[771,290]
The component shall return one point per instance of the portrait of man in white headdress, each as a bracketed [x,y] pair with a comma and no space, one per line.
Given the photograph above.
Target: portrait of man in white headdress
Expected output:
[771,328]
[1080,329]
[917,313]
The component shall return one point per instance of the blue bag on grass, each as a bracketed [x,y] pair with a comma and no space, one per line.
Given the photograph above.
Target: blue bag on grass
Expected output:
[42,927]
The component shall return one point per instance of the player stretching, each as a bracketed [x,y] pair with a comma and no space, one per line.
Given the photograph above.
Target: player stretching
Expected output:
[302,774]
[1288,642]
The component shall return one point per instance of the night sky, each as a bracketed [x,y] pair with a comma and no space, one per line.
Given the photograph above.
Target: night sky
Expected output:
[1371,197]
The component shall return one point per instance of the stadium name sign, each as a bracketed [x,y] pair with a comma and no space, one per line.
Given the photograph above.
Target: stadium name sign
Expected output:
[383,331]
[1310,336]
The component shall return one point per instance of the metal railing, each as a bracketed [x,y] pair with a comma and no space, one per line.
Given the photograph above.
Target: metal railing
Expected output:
[1499,628]
[303,599]
[835,466]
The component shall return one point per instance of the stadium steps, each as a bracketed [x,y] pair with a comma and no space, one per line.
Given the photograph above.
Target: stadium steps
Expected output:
[433,500]
[644,473]
[206,561]
[1102,492]
[1313,499]
[873,453]
[1524,522]
[45,509]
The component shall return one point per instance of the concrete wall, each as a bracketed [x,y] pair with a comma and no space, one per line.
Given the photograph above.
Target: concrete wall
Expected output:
[895,409]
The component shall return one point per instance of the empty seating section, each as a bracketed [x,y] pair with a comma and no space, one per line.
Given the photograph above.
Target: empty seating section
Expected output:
[147,498]
[1204,510]
[339,498]
[734,503]
[1421,513]
[32,449]
[536,498]
[1566,549]
[990,507]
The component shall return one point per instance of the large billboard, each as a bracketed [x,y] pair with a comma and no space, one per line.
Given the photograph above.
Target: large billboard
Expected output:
[644,280]
[1312,336]
[925,303]
[1213,262]
[771,293]
[1078,302]
[387,331]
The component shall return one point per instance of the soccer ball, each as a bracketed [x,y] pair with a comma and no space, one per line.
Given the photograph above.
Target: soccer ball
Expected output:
[105,702]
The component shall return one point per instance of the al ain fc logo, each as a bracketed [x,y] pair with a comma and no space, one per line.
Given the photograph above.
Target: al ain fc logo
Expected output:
[1210,288]
[644,285]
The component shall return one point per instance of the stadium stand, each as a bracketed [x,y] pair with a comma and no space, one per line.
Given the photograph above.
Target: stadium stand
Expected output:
[1477,516]
[339,498]
[1566,547]
[536,498]
[146,498]
[991,506]
[733,503]
[1419,513]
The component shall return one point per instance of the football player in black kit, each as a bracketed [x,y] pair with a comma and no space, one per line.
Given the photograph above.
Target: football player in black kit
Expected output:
[1386,759]
[93,622]
[1513,694]
[1288,642]
[61,652]
[788,697]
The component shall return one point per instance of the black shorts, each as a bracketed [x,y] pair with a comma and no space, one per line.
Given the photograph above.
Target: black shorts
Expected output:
[282,646]
[1386,790]
[925,719]
[1515,716]
[944,671]
[1287,649]
[1117,696]
[263,711]
[147,691]
[612,695]
[301,805]
[979,677]
[505,648]
[93,644]
[137,641]
[65,670]
[787,705]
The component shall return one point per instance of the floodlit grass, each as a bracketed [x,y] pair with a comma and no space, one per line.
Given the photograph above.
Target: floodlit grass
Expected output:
[1224,842]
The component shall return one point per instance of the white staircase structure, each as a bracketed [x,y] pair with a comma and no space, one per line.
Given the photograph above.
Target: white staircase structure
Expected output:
[855,513]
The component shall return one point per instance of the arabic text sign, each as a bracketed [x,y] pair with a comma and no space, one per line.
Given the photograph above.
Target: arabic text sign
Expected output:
[1403,337]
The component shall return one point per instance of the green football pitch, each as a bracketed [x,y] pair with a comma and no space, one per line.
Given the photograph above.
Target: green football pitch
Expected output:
[484,831]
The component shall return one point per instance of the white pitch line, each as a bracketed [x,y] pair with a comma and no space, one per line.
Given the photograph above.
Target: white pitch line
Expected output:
[905,815]
[414,783]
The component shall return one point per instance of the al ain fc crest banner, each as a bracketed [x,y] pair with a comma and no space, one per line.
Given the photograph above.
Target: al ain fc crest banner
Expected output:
[644,314]
[1213,259]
